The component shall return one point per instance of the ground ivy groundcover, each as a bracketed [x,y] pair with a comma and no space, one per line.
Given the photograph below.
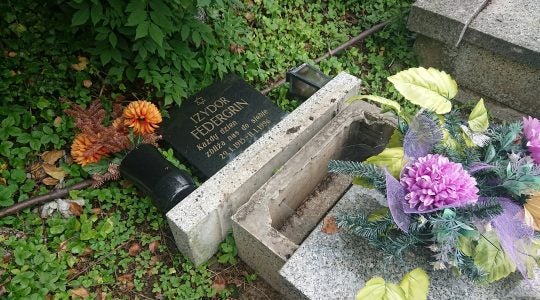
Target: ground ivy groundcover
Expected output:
[113,243]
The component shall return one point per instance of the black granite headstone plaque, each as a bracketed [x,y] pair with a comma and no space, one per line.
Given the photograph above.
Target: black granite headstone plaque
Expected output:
[219,122]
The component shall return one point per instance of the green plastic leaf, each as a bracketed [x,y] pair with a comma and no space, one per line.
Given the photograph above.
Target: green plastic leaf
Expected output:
[415,284]
[396,140]
[381,100]
[478,119]
[391,158]
[490,257]
[378,214]
[362,182]
[428,88]
[377,289]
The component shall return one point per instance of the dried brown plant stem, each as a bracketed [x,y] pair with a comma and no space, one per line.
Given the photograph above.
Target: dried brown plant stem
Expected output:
[17,207]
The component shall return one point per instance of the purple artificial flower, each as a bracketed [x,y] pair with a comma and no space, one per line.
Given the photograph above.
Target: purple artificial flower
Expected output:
[531,130]
[433,182]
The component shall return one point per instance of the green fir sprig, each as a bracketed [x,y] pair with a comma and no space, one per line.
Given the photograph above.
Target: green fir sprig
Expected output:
[370,173]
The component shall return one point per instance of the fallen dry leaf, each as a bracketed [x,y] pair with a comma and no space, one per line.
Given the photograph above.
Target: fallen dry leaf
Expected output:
[87,83]
[3,181]
[50,181]
[125,278]
[36,171]
[62,246]
[154,260]
[234,48]
[532,208]
[218,284]
[87,251]
[72,272]
[57,121]
[75,208]
[134,249]
[54,172]
[96,210]
[80,293]
[81,65]
[7,257]
[329,225]
[153,246]
[249,16]
[51,157]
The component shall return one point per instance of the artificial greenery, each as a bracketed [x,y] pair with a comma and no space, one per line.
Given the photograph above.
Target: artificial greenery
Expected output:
[373,175]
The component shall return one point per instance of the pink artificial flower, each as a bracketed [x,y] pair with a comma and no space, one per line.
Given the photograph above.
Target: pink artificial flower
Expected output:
[433,182]
[531,130]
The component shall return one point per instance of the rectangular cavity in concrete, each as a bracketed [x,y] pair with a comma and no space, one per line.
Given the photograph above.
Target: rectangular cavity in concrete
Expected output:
[202,220]
[262,227]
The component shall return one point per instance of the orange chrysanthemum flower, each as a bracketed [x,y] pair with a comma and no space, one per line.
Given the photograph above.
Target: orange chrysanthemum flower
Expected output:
[84,150]
[142,116]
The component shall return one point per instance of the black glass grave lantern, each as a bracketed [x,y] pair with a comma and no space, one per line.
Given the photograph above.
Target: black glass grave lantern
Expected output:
[164,183]
[305,80]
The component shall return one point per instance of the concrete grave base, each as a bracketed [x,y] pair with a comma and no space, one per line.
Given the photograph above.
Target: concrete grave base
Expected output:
[337,266]
[499,56]
[270,226]
[202,220]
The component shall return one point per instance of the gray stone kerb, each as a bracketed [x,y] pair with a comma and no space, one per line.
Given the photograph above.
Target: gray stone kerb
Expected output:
[202,220]
[509,28]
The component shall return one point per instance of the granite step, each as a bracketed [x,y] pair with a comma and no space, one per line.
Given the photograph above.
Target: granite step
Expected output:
[499,56]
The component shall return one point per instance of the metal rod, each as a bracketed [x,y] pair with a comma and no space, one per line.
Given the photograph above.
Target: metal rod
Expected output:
[364,34]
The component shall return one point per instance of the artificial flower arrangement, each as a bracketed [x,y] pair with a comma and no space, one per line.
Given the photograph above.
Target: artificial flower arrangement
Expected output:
[97,148]
[467,190]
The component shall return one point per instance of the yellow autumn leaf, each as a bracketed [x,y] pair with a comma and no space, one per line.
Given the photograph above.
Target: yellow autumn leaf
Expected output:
[415,284]
[377,289]
[381,100]
[478,119]
[532,207]
[391,158]
[428,88]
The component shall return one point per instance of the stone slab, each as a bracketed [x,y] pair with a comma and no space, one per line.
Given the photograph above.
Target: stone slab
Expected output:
[490,75]
[357,132]
[219,122]
[202,220]
[508,28]
[336,266]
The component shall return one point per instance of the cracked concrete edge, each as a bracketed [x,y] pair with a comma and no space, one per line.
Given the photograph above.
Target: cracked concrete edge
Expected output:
[201,221]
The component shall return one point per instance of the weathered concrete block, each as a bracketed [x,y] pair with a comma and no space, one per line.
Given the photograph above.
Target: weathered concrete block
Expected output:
[201,221]
[336,266]
[261,227]
[499,56]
